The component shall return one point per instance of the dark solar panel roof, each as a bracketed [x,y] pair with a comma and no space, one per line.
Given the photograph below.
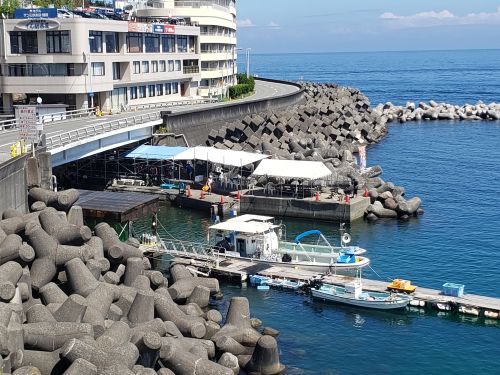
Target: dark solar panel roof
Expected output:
[120,206]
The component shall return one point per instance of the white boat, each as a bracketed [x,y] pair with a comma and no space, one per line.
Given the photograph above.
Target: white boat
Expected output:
[352,294]
[256,238]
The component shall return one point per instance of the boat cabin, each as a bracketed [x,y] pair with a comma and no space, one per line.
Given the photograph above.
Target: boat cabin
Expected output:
[249,236]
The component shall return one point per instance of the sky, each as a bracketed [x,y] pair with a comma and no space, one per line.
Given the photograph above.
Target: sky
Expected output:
[287,26]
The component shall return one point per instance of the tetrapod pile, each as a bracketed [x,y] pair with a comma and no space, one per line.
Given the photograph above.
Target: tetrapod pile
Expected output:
[73,301]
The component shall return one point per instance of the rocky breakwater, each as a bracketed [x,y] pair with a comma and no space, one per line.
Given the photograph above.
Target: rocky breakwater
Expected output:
[329,127]
[439,111]
[77,302]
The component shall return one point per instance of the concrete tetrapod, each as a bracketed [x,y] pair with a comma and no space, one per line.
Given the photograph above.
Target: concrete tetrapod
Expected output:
[10,273]
[238,325]
[52,335]
[10,247]
[60,229]
[200,296]
[116,250]
[167,309]
[81,367]
[265,359]
[183,362]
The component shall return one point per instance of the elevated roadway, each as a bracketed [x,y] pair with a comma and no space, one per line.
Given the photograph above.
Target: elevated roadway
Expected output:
[91,135]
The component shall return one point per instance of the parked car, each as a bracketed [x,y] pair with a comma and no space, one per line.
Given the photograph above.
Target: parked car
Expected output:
[64,13]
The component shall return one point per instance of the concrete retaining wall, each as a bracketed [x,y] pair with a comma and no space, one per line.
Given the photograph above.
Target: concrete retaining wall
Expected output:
[13,191]
[288,207]
[197,124]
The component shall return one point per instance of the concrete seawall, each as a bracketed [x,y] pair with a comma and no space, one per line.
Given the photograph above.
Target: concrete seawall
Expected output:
[307,209]
[196,125]
[13,189]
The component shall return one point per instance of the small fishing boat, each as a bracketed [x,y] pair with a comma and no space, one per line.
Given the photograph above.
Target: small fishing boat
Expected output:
[278,283]
[352,294]
[257,239]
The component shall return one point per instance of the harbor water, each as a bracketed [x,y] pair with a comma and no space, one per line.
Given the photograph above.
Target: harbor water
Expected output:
[453,167]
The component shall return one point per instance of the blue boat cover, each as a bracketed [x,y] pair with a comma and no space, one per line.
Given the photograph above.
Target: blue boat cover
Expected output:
[305,234]
[155,152]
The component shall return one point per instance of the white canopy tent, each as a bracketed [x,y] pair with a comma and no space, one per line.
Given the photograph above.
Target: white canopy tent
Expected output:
[218,156]
[309,170]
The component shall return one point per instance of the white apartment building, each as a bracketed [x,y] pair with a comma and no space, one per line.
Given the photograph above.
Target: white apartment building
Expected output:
[217,21]
[83,62]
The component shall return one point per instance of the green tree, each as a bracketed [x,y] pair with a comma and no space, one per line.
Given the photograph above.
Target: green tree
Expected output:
[8,6]
[69,4]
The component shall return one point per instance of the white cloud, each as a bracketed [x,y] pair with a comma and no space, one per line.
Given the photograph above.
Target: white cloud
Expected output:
[438,18]
[245,23]
[273,25]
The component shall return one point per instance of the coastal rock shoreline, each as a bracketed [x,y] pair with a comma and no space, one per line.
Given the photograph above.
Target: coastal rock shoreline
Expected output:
[433,111]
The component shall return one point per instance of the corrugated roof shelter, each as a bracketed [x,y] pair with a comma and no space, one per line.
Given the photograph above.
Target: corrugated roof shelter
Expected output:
[309,170]
[156,152]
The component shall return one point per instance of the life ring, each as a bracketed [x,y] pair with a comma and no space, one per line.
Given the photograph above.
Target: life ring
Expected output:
[346,238]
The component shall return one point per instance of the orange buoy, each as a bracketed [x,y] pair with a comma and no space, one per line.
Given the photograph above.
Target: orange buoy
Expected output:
[346,199]
[238,195]
[188,192]
[366,194]
[221,199]
[202,194]
[317,196]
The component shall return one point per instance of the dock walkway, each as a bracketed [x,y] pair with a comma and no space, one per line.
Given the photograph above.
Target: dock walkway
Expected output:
[469,304]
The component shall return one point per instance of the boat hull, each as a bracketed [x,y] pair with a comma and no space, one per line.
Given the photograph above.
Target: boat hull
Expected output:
[397,303]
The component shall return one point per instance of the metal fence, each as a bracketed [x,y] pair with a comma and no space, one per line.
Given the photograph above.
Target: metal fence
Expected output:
[104,127]
[52,117]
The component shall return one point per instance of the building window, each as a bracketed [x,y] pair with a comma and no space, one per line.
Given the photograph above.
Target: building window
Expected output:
[116,71]
[154,66]
[145,67]
[151,89]
[170,65]
[178,65]
[175,87]
[23,42]
[97,68]
[142,91]
[168,88]
[159,89]
[112,43]
[163,66]
[133,92]
[192,44]
[137,67]
[134,42]
[152,42]
[168,43]
[41,70]
[95,41]
[182,44]
[58,42]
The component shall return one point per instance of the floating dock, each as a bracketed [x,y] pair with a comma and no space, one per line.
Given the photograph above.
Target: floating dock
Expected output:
[469,304]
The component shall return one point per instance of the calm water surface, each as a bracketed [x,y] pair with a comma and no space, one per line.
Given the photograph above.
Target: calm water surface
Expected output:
[453,167]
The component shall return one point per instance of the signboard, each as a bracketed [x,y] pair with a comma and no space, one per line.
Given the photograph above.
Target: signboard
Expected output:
[157,28]
[38,24]
[24,13]
[27,123]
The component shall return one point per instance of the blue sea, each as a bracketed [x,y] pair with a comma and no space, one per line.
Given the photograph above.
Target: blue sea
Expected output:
[454,168]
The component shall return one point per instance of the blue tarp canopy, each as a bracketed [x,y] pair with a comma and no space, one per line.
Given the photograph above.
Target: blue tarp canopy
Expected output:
[155,152]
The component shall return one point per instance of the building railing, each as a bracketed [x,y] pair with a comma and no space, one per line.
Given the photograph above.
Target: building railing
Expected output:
[51,117]
[191,69]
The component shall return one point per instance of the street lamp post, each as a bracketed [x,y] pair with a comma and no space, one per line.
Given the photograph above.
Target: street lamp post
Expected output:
[247,57]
